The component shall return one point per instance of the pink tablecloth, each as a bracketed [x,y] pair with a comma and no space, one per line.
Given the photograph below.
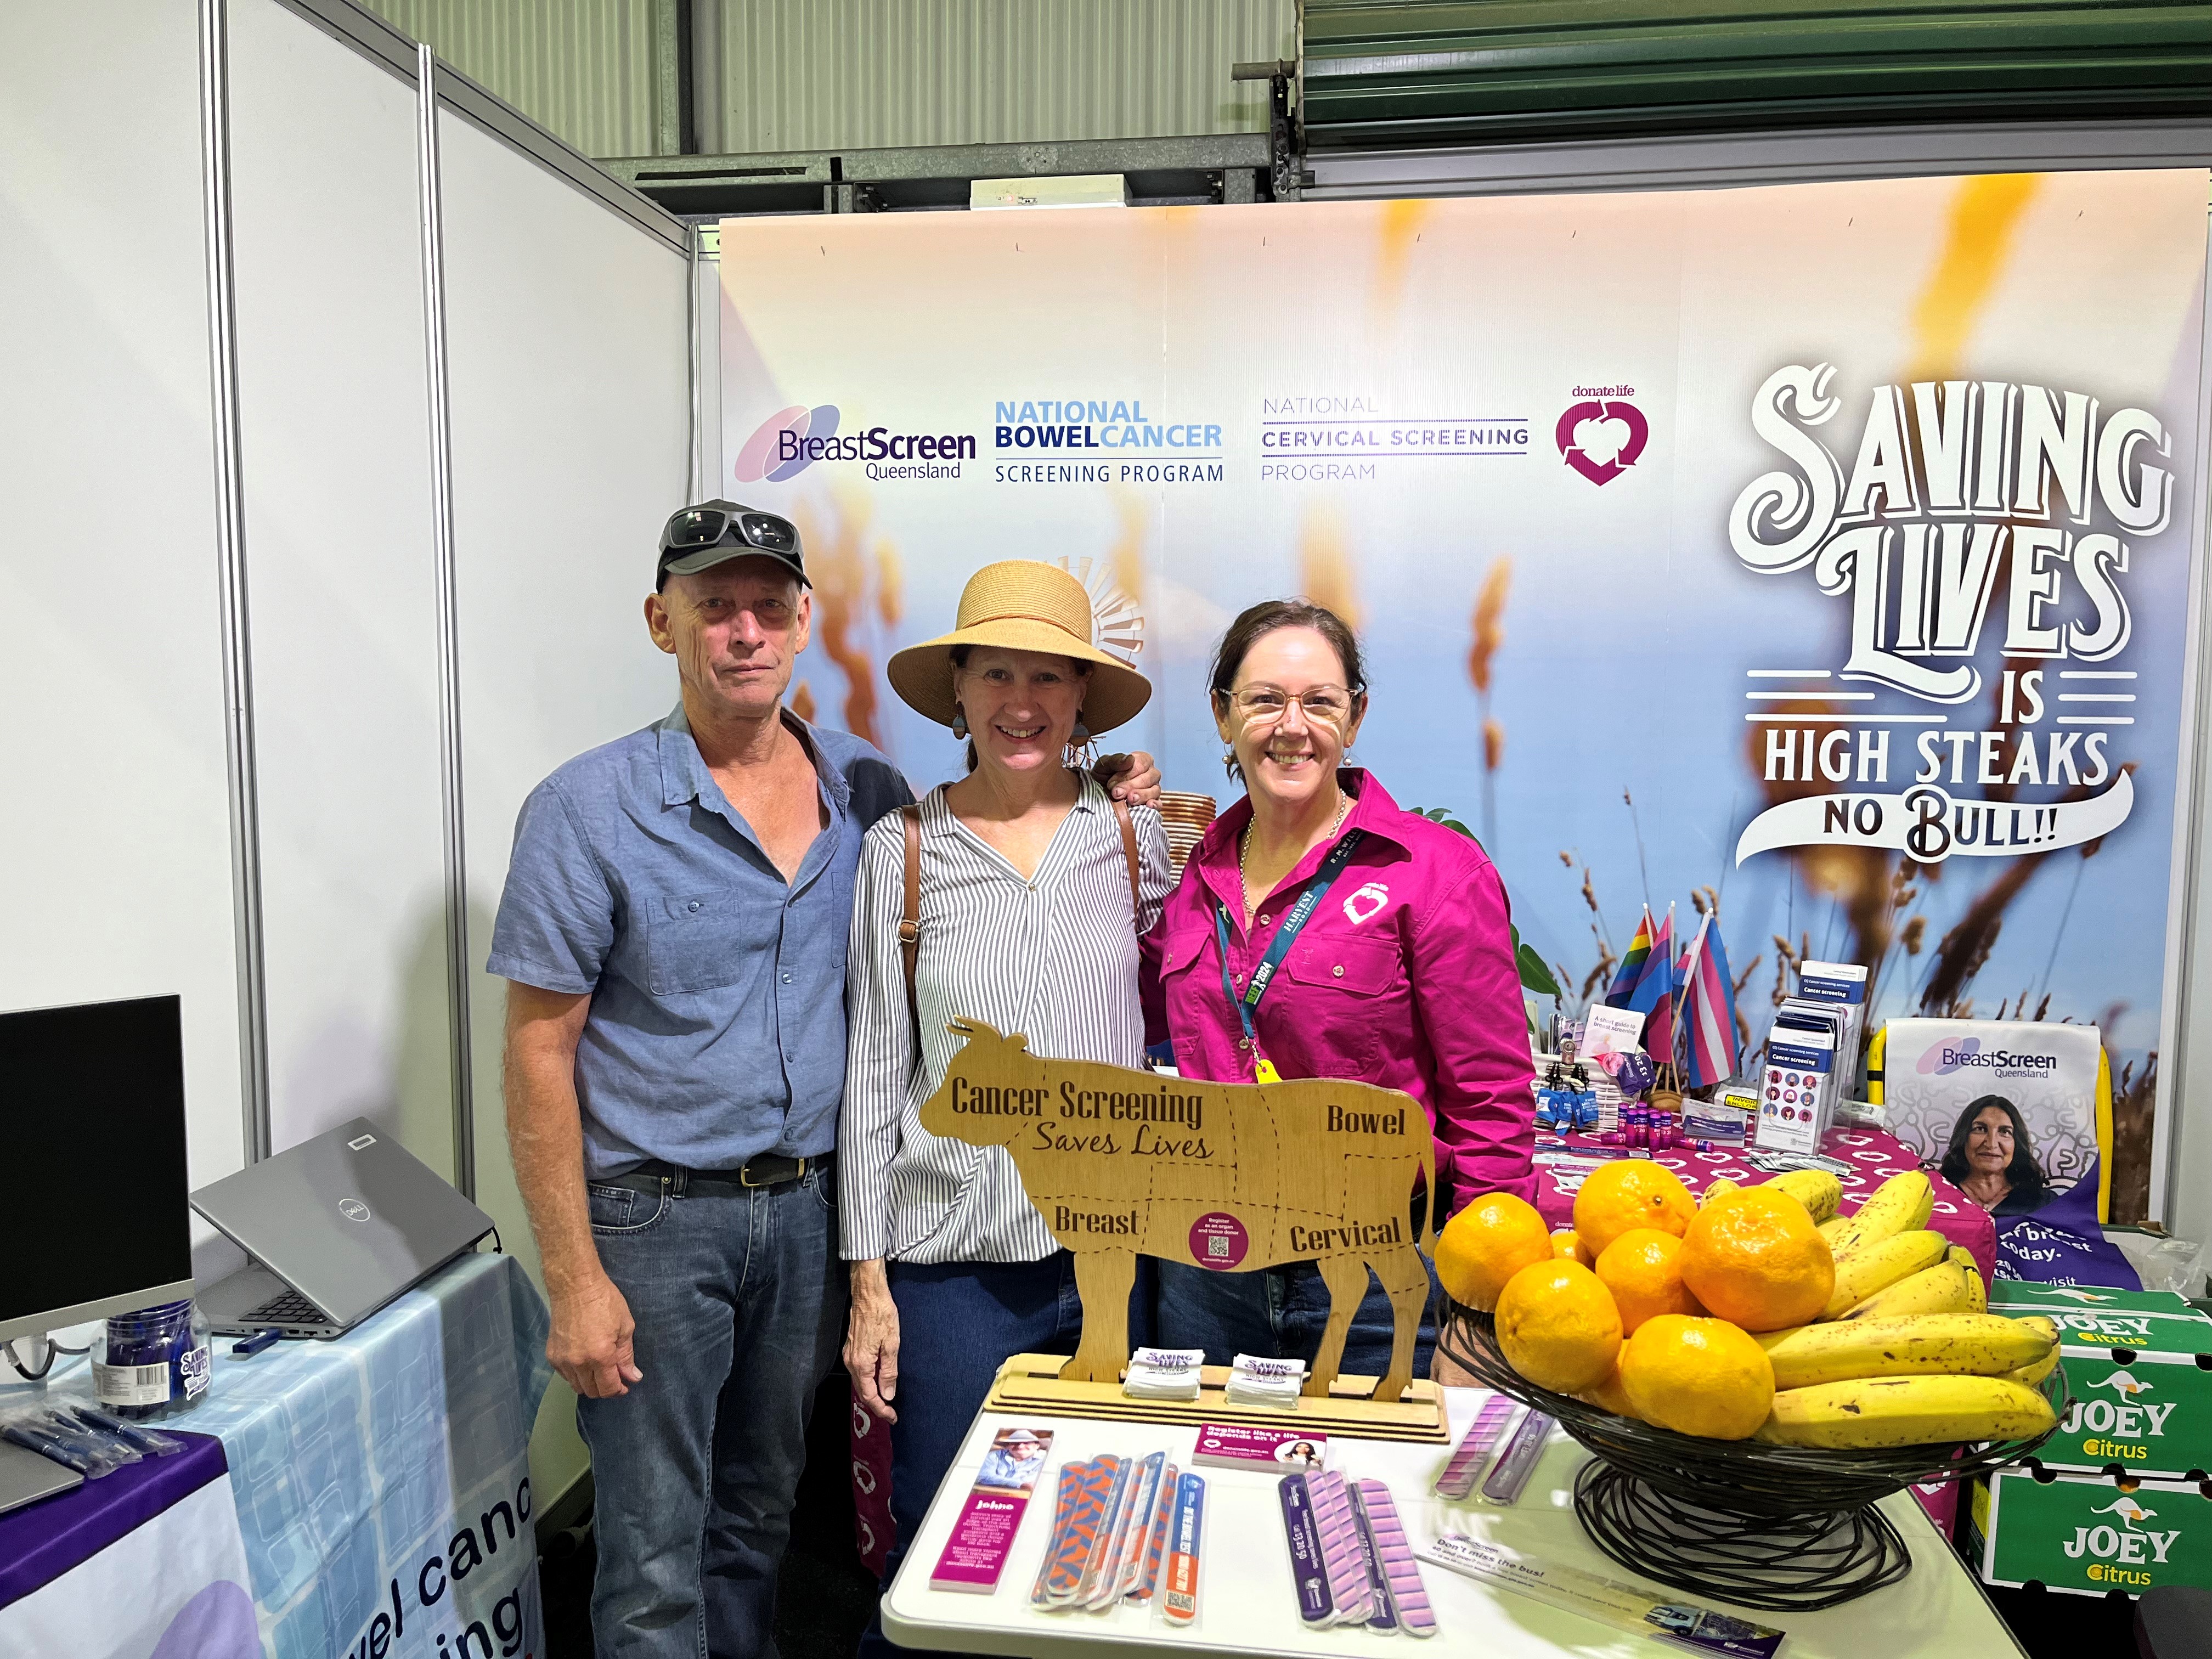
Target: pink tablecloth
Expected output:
[1875,1155]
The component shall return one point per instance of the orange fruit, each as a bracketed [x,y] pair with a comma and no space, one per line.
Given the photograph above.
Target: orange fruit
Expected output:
[1758,1261]
[1701,1376]
[1486,1244]
[1567,1245]
[1642,1268]
[1631,1192]
[1609,1395]
[1558,1325]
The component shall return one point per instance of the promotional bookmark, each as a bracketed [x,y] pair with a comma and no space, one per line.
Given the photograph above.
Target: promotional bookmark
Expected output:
[1457,1481]
[984,1533]
[1187,1528]
[1308,1570]
[1409,1596]
[1518,1460]
[1348,1584]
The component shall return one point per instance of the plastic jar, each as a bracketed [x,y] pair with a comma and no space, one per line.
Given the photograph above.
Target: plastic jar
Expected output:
[154,1363]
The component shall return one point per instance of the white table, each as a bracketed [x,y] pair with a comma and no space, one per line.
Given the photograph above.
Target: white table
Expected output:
[1246,1605]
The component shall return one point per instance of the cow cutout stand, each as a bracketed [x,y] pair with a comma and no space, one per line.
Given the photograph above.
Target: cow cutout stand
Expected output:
[1228,1177]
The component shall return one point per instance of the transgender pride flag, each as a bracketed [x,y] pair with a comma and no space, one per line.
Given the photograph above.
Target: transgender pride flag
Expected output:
[1708,1009]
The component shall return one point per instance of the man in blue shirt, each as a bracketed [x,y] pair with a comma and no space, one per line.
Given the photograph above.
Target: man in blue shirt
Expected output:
[673,930]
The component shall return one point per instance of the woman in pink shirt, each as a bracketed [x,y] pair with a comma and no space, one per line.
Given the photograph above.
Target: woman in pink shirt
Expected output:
[1400,972]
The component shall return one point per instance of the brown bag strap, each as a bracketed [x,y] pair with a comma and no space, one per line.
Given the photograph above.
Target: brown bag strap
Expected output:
[910,921]
[1129,851]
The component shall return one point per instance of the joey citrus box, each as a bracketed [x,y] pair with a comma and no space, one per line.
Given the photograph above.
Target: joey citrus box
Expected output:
[2139,1366]
[2082,1533]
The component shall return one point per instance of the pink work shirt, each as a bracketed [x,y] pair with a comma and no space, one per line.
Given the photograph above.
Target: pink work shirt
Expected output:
[1404,977]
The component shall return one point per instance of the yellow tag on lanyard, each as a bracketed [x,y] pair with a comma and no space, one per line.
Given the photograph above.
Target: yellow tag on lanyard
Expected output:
[1263,1071]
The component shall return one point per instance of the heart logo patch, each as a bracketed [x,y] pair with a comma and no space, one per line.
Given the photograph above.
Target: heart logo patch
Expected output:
[1366,902]
[1602,438]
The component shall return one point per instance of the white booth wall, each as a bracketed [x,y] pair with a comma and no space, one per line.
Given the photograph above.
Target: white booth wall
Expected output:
[569,395]
[115,865]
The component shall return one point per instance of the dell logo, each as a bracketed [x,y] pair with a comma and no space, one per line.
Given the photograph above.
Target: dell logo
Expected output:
[353,1209]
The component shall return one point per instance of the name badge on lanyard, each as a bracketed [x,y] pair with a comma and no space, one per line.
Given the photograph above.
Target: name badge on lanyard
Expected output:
[1263,1069]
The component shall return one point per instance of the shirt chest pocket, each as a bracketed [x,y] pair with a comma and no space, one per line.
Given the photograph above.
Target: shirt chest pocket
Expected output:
[1343,994]
[704,941]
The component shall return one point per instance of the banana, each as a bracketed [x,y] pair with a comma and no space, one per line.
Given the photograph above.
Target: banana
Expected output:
[1875,1267]
[1906,1411]
[1901,1204]
[1942,1288]
[1816,1189]
[1948,1345]
[1718,1188]
[1832,1229]
[2030,1377]
[1975,1288]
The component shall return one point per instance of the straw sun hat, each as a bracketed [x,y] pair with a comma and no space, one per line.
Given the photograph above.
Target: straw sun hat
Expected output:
[1020,604]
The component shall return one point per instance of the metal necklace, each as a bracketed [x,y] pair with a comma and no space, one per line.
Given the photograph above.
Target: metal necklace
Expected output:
[1244,849]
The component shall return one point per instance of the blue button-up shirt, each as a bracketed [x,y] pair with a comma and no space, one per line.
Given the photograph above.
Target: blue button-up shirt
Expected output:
[717,1024]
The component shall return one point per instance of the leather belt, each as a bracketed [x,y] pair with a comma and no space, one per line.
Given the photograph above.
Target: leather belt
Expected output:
[765,1173]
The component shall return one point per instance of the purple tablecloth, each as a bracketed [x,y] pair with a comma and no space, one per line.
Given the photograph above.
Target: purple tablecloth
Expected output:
[41,1542]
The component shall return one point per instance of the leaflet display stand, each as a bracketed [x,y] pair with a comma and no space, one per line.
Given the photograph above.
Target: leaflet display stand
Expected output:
[1225,1177]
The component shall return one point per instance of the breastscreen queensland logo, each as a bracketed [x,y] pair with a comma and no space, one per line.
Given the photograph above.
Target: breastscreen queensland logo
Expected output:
[789,442]
[1945,1058]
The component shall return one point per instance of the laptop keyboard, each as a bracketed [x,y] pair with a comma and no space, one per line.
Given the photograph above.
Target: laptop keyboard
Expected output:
[289,1309]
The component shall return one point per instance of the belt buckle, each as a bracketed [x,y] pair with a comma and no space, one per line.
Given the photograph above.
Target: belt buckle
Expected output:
[746,1176]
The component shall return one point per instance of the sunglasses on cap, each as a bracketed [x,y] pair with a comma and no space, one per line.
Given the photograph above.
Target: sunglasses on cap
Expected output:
[700,538]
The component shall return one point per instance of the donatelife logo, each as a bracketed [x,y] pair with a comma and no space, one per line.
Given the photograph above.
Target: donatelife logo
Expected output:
[1602,436]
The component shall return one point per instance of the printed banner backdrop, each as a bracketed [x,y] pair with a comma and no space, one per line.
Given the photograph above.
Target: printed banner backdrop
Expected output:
[1822,551]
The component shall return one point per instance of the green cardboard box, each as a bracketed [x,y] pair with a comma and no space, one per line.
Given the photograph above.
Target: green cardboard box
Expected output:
[2084,1535]
[2139,1366]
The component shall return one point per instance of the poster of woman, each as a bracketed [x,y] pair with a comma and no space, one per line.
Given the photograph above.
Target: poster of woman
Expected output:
[1991,1158]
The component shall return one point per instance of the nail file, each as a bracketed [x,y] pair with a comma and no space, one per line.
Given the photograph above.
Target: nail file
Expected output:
[1308,1570]
[1109,1519]
[1348,1585]
[1385,1616]
[1186,1528]
[1068,1495]
[1457,1481]
[1409,1596]
[1128,1558]
[1080,1537]
[1518,1460]
[1156,1544]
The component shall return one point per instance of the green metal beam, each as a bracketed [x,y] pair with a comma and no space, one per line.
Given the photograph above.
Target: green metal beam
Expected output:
[1376,72]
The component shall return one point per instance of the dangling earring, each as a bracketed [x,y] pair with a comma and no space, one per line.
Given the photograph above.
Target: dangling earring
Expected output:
[959,722]
[1082,754]
[1229,758]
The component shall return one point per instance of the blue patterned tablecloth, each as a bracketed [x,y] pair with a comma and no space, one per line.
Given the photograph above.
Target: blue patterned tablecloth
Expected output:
[383,1479]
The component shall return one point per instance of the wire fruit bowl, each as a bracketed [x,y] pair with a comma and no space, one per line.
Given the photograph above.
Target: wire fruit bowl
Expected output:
[1778,1527]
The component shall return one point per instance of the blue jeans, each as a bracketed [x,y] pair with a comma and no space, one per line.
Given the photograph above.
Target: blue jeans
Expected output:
[1278,1313]
[739,1301]
[958,1322]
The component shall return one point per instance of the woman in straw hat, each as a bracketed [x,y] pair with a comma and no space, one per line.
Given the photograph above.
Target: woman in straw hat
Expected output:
[1033,888]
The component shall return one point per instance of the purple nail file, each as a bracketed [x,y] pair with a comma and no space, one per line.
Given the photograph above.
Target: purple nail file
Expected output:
[1309,1572]
[1504,1482]
[1457,1481]
[1348,1585]
[1409,1596]
[1385,1617]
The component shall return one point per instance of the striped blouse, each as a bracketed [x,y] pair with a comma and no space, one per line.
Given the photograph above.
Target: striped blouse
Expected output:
[1055,958]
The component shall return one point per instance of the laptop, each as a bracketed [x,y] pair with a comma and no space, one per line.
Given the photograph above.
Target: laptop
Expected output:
[335,1228]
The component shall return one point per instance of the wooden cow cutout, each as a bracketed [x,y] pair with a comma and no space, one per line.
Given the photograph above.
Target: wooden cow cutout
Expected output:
[1225,1176]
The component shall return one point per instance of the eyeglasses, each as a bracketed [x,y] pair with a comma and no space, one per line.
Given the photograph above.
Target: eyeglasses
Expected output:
[1263,705]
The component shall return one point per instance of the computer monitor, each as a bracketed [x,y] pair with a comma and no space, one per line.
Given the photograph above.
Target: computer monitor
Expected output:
[92,1114]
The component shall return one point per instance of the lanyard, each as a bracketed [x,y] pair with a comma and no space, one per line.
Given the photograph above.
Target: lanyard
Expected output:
[1293,923]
